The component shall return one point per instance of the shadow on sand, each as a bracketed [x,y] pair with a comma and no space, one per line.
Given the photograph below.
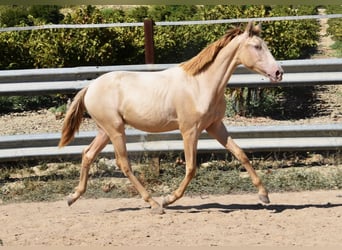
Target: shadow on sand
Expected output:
[275,208]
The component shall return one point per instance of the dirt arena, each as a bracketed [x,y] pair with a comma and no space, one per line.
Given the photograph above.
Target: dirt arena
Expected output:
[301,219]
[293,219]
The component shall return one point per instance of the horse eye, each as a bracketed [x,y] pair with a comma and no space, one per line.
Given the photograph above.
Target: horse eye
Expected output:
[258,47]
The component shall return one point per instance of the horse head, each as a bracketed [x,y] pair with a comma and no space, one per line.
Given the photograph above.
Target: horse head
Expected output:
[254,54]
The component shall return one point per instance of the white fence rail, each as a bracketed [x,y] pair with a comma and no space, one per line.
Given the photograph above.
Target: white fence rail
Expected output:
[169,23]
[69,80]
[252,138]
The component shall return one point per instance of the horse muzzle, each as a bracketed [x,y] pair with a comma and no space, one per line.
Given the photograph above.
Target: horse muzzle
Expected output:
[277,76]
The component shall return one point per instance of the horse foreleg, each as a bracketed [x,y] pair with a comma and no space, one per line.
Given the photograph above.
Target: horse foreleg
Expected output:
[88,156]
[219,132]
[190,146]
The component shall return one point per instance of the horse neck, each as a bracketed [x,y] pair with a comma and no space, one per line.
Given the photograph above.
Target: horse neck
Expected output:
[219,72]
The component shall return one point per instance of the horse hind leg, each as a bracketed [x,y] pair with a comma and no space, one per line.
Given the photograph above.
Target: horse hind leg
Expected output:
[88,156]
[190,150]
[118,138]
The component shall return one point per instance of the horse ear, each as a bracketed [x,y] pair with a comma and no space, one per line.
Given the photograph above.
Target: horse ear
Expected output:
[249,28]
[257,29]
[253,30]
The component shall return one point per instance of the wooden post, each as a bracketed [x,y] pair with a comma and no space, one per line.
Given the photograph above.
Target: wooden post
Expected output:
[149,44]
[149,59]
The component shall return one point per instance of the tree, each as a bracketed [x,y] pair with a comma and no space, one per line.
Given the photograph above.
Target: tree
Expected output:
[46,13]
[12,15]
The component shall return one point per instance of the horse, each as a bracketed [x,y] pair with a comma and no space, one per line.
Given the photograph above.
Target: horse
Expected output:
[188,97]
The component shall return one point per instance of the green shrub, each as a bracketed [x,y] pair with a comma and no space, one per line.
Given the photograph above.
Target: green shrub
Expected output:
[292,39]
[46,13]
[14,50]
[24,103]
[108,46]
[12,15]
[173,44]
[335,28]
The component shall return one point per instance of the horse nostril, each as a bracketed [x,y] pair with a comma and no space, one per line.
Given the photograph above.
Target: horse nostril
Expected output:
[279,73]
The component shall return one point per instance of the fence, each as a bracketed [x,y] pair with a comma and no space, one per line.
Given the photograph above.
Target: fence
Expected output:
[168,23]
[69,80]
[252,138]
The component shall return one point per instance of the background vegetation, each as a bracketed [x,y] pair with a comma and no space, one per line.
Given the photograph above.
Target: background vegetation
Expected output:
[119,46]
[109,46]
[53,181]
[335,28]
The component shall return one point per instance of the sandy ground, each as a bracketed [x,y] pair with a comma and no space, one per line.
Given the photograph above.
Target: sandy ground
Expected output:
[293,219]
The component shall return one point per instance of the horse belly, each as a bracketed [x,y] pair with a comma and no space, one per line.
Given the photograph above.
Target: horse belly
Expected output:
[148,116]
[150,123]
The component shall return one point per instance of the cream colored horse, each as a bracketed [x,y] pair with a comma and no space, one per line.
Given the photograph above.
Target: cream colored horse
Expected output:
[188,97]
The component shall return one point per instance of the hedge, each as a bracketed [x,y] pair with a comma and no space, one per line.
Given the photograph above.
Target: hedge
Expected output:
[52,48]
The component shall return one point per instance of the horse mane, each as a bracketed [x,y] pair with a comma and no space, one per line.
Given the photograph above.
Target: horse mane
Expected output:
[202,60]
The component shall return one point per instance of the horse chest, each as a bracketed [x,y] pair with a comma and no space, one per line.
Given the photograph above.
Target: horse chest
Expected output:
[212,110]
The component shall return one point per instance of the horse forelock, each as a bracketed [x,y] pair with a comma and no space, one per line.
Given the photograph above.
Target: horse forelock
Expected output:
[203,59]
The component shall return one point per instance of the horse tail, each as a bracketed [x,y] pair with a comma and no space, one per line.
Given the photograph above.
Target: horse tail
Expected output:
[73,118]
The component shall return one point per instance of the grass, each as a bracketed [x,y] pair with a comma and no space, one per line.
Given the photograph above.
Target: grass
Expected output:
[337,47]
[54,181]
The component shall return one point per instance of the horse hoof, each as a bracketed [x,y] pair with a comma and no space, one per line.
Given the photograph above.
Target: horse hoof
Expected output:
[70,201]
[165,201]
[157,210]
[264,198]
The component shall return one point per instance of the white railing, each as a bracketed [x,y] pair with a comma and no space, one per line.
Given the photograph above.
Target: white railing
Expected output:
[69,80]
[169,23]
